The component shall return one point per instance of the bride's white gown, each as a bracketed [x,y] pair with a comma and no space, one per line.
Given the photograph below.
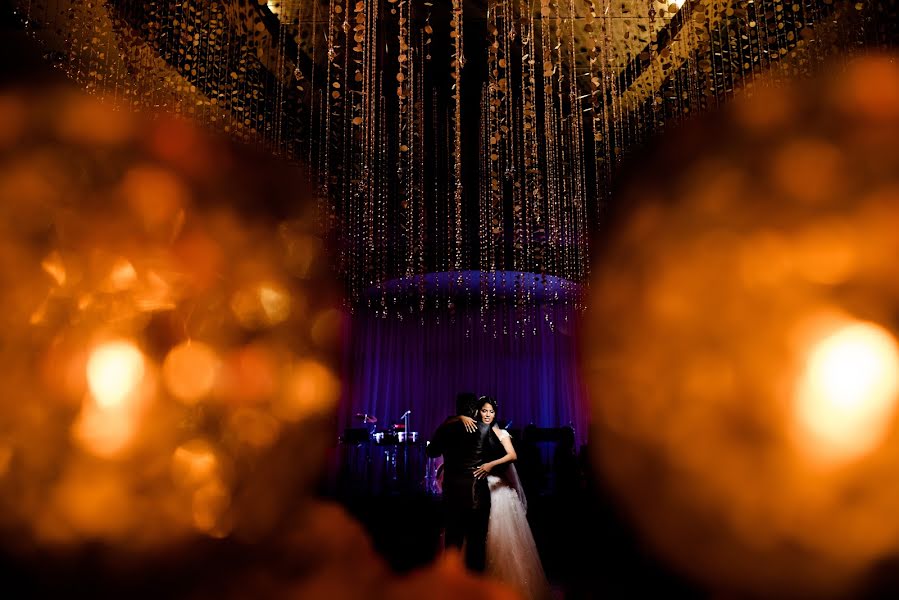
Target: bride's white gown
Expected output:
[511,552]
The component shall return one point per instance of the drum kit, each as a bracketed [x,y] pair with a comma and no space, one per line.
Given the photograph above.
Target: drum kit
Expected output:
[395,434]
[392,456]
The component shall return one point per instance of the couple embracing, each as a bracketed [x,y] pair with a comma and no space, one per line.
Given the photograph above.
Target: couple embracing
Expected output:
[486,509]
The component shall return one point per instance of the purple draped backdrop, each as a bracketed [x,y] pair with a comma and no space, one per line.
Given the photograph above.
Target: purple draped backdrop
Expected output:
[524,356]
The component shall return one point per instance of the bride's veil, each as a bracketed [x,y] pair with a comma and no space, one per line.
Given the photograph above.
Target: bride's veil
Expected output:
[511,477]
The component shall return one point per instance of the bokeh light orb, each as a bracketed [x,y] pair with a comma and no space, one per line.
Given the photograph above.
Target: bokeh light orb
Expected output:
[847,392]
[740,343]
[190,370]
[114,371]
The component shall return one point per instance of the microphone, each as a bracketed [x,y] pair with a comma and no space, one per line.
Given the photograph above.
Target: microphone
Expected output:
[508,424]
[403,416]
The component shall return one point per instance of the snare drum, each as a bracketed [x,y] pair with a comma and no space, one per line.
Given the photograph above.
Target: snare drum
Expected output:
[408,437]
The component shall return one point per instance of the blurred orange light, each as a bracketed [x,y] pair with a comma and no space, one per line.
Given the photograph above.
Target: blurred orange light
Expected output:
[190,370]
[848,391]
[88,504]
[55,268]
[275,303]
[122,276]
[313,389]
[210,503]
[104,431]
[13,118]
[740,341]
[262,305]
[6,455]
[114,371]
[254,427]
[197,468]
[155,194]
[194,464]
[122,240]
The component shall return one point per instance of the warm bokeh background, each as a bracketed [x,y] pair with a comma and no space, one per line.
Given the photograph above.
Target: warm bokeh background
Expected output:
[169,364]
[745,388]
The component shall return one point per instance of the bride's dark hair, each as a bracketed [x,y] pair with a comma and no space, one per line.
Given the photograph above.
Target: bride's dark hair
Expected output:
[494,446]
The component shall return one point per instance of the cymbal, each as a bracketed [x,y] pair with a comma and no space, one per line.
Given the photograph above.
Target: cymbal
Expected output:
[366,418]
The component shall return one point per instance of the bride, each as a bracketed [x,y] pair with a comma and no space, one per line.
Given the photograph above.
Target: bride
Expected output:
[511,552]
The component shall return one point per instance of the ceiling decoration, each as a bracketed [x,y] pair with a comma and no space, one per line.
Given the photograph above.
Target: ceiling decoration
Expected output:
[456,136]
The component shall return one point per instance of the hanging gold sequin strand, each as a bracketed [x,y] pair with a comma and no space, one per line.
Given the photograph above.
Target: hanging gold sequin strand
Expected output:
[485,227]
[575,116]
[493,150]
[421,190]
[548,161]
[531,171]
[456,65]
[404,133]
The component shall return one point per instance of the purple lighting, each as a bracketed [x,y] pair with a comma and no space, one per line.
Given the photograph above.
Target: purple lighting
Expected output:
[522,354]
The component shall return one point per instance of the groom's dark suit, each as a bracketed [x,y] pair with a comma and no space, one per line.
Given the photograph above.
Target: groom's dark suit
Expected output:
[466,499]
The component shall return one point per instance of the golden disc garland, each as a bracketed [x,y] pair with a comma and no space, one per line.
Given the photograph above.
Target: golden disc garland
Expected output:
[370,93]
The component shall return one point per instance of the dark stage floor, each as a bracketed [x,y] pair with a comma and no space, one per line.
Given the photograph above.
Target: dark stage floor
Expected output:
[587,550]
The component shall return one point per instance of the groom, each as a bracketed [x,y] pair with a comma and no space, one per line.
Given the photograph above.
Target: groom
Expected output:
[466,499]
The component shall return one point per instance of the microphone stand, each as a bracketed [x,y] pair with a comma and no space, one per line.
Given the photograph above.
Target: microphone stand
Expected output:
[408,436]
